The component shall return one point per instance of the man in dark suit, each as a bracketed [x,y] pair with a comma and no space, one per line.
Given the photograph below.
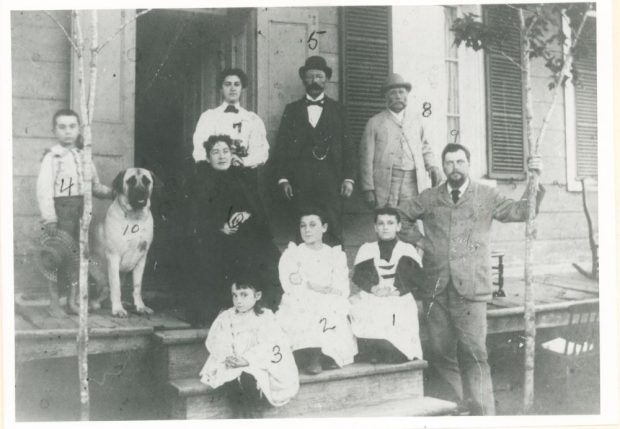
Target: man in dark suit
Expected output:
[315,161]
[456,277]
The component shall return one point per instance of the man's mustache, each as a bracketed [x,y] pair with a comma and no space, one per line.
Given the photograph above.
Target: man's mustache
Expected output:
[314,85]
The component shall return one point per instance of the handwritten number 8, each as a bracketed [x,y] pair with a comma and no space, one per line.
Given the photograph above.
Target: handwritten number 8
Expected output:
[277,354]
[426,109]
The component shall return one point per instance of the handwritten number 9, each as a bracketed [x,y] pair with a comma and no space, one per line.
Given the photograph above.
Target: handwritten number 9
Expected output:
[426,109]
[276,354]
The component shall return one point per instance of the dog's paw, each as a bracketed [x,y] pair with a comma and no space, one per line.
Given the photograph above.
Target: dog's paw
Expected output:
[119,312]
[143,309]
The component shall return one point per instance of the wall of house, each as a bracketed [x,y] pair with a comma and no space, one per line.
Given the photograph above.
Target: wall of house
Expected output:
[41,64]
[43,81]
[420,58]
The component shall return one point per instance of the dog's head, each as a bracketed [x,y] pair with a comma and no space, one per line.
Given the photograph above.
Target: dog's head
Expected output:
[136,186]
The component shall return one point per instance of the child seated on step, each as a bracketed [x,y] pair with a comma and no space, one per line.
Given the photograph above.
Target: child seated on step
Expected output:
[384,314]
[60,194]
[249,356]
[315,307]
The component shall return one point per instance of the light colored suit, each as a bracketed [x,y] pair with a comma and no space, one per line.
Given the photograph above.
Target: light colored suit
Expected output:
[381,149]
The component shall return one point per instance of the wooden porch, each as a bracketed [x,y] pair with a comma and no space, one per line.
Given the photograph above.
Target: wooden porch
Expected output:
[38,335]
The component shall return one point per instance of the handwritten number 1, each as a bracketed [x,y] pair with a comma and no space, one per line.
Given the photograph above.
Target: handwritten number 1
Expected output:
[393,319]
[64,188]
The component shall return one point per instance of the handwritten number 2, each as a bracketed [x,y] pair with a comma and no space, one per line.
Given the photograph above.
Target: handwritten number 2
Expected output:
[426,109]
[325,327]
[276,354]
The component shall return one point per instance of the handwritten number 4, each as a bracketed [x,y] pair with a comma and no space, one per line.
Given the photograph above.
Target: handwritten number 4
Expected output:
[313,42]
[64,188]
[276,354]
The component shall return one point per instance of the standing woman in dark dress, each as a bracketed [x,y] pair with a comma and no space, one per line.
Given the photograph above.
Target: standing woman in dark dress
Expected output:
[231,235]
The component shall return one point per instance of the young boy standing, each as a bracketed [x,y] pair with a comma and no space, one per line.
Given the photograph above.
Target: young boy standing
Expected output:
[60,193]
[384,314]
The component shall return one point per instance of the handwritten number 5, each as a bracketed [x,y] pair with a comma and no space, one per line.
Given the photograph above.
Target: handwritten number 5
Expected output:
[277,354]
[312,41]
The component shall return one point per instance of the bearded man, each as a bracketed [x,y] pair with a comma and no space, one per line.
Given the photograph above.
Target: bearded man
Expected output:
[315,161]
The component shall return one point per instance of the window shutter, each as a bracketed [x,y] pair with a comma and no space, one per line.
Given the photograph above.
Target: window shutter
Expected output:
[585,102]
[506,146]
[366,63]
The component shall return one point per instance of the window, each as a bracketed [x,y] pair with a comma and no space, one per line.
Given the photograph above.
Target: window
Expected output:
[452,76]
[580,110]
[366,63]
[505,124]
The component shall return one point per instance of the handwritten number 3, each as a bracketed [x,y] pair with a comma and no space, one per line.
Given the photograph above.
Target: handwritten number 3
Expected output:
[325,327]
[277,354]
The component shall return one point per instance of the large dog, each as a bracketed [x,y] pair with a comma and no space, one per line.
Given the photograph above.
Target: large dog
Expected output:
[122,241]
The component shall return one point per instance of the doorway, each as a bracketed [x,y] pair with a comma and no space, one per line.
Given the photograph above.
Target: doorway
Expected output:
[180,54]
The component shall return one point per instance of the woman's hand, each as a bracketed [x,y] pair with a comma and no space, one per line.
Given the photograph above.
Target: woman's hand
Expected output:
[237,161]
[229,230]
[235,362]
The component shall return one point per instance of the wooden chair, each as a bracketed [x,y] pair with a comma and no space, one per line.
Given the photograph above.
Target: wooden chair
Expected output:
[572,358]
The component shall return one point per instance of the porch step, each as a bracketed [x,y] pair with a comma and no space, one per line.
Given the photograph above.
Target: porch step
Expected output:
[180,353]
[355,386]
[418,407]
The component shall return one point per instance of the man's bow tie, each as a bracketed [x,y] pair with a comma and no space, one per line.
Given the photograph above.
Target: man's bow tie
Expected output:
[315,103]
[231,109]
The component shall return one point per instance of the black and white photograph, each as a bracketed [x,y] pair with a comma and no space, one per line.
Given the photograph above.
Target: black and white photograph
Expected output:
[393,214]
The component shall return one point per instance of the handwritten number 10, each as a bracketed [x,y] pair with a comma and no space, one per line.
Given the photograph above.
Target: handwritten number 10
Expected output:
[134,228]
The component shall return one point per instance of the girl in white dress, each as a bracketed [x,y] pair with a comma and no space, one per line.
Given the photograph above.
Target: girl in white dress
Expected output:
[315,305]
[384,314]
[249,355]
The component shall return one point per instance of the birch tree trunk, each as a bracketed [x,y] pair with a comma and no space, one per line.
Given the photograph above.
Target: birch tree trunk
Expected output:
[530,226]
[86,112]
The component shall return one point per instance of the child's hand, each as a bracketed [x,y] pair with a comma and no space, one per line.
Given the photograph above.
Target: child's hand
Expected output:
[235,362]
[380,291]
[51,229]
[229,230]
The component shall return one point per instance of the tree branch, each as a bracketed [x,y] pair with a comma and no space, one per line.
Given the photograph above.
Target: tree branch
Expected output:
[64,30]
[121,28]
[509,58]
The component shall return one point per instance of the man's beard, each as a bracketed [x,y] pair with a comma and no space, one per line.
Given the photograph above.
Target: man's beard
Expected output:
[397,106]
[456,182]
[314,87]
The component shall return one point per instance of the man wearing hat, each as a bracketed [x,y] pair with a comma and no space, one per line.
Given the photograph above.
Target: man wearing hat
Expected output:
[396,160]
[315,161]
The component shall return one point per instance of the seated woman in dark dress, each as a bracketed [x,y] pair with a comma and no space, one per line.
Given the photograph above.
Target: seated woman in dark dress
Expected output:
[230,236]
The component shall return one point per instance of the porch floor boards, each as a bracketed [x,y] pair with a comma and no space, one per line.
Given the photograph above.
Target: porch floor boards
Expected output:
[39,335]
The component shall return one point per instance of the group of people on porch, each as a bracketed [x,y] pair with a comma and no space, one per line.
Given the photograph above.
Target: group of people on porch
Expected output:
[432,243]
[271,313]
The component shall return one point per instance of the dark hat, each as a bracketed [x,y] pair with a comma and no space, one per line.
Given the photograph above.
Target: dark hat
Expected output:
[315,63]
[394,80]
[53,251]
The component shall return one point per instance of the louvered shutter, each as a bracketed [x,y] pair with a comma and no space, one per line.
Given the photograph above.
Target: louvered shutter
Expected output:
[505,124]
[366,63]
[585,102]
